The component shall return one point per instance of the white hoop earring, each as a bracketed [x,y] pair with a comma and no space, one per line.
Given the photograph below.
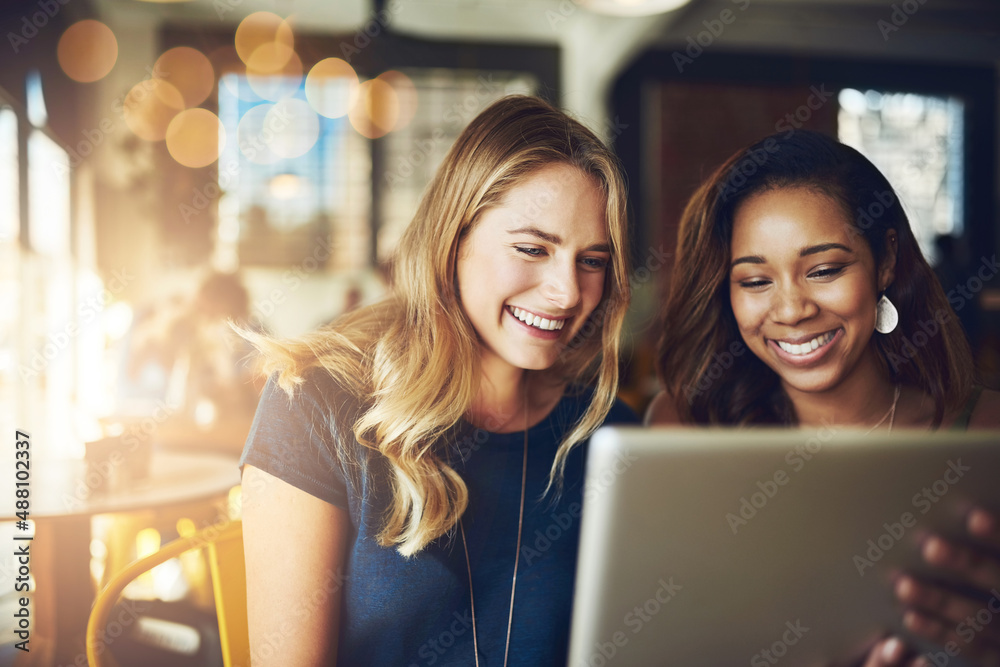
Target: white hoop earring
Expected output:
[886,316]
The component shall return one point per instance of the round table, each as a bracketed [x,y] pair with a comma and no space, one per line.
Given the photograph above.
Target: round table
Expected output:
[65,495]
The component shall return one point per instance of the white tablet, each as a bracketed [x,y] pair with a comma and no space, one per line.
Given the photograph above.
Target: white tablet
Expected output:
[761,547]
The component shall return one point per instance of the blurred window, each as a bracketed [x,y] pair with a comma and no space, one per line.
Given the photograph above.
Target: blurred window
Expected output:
[9,181]
[50,295]
[296,179]
[10,267]
[446,100]
[918,142]
[48,196]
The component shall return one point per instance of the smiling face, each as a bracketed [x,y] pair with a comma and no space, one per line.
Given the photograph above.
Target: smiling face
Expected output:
[803,288]
[532,269]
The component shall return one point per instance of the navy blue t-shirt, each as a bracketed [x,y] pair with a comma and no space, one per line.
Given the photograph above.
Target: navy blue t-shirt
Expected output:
[403,612]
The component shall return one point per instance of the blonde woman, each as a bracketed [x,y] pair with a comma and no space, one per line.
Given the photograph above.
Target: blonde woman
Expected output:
[412,480]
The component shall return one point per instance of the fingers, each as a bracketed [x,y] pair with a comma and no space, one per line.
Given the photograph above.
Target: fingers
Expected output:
[943,615]
[958,624]
[887,653]
[934,601]
[974,565]
[952,621]
[954,639]
[984,526]
[892,652]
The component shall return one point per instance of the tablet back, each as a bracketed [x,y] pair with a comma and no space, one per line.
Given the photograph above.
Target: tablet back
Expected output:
[759,547]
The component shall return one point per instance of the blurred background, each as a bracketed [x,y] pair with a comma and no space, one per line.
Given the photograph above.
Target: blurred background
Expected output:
[168,166]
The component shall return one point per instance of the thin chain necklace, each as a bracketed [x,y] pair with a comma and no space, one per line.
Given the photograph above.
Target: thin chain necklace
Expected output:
[517,552]
[890,415]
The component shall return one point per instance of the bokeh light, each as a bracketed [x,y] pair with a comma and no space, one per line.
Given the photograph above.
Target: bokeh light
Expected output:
[274,71]
[87,51]
[332,87]
[262,28]
[224,60]
[255,134]
[150,106]
[227,62]
[186,527]
[406,91]
[195,137]
[377,109]
[285,186]
[190,72]
[299,127]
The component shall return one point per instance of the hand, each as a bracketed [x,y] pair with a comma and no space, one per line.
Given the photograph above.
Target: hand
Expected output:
[962,625]
[891,652]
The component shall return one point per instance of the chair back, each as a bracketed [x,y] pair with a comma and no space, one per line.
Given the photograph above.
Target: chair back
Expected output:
[224,545]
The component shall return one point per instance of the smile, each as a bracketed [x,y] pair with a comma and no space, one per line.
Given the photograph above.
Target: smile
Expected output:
[808,346]
[536,320]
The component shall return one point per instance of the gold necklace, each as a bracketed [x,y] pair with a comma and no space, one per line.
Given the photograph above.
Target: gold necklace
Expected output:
[517,552]
[890,415]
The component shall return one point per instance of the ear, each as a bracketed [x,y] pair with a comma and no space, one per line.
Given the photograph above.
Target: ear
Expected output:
[887,269]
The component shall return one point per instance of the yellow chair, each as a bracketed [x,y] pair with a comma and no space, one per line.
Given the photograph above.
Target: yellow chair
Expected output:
[229,583]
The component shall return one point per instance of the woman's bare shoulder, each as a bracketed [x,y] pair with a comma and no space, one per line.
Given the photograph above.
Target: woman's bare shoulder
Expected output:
[987,411]
[662,410]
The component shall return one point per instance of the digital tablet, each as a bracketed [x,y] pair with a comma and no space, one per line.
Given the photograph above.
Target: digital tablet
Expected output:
[762,547]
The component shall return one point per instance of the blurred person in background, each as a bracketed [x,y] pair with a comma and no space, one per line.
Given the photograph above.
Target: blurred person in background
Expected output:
[183,358]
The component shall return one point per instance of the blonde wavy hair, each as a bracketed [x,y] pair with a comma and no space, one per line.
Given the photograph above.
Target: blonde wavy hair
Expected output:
[412,360]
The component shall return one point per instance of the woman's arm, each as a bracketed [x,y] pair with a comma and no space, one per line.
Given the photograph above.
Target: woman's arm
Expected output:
[295,546]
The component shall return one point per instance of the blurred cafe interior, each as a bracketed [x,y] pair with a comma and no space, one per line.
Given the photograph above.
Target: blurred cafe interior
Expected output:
[169,167]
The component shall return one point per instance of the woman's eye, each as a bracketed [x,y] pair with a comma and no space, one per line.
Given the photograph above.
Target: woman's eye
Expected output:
[595,263]
[754,283]
[827,272]
[530,251]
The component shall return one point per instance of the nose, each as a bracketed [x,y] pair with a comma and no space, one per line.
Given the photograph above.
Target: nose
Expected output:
[562,285]
[793,304]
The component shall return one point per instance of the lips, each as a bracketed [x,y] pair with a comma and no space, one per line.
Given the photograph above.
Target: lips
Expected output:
[808,346]
[805,351]
[537,321]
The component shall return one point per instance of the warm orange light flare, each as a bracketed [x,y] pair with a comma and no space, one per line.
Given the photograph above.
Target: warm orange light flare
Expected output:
[150,106]
[377,110]
[87,51]
[262,28]
[189,70]
[225,60]
[406,91]
[195,137]
[285,186]
[332,87]
[274,71]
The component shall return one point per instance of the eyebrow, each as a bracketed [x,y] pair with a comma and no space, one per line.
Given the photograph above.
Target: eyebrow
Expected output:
[823,247]
[557,240]
[805,252]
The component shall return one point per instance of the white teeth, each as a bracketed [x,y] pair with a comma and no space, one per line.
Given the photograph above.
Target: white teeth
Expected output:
[537,321]
[807,347]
